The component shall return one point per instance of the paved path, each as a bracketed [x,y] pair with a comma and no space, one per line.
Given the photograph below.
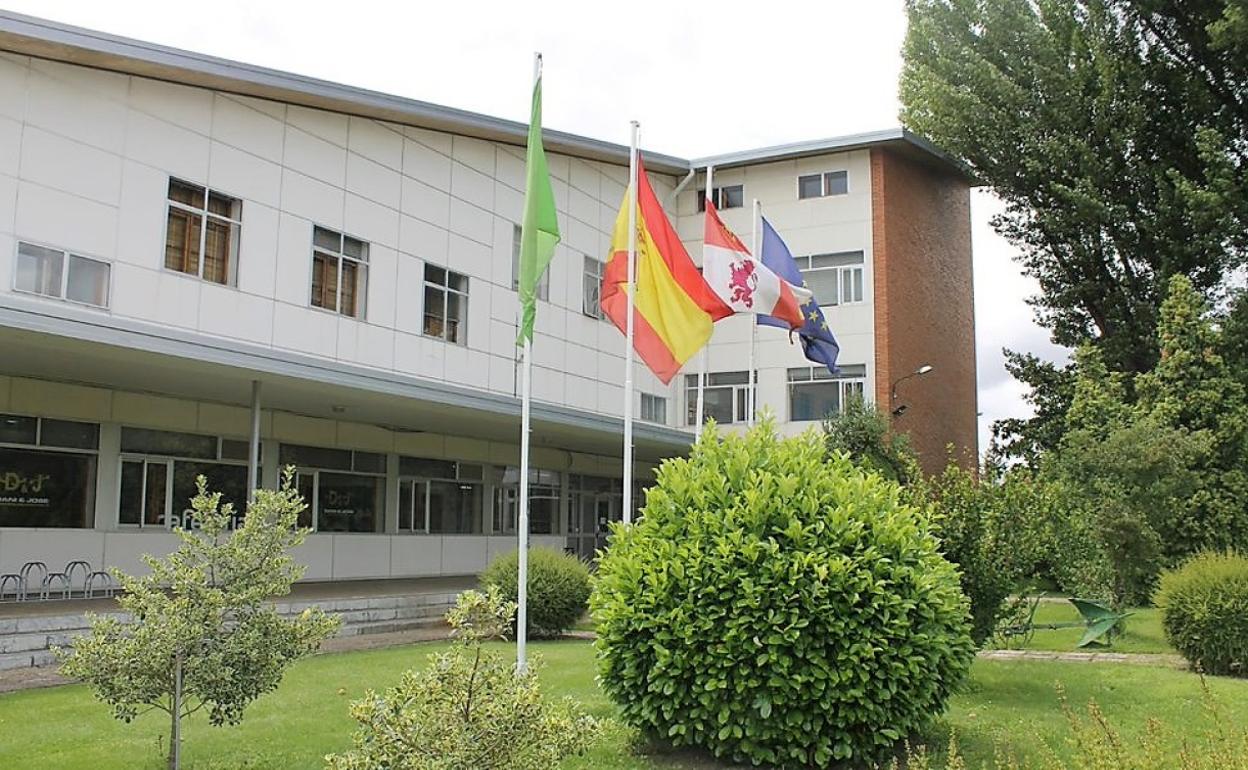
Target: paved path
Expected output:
[1136,659]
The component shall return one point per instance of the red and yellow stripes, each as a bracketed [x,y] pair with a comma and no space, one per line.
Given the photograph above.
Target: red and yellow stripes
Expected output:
[673,308]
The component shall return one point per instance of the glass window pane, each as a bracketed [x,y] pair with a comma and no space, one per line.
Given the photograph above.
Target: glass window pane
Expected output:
[69,434]
[460,282]
[426,469]
[88,281]
[837,259]
[235,449]
[454,508]
[813,401]
[223,206]
[435,274]
[369,462]
[155,495]
[837,182]
[218,251]
[130,505]
[306,484]
[314,457]
[726,378]
[355,248]
[847,286]
[182,241]
[435,312]
[189,194]
[46,489]
[229,480]
[15,429]
[39,269]
[824,285]
[406,501]
[732,197]
[718,403]
[809,186]
[857,273]
[350,503]
[326,239]
[324,281]
[160,442]
[456,313]
[349,277]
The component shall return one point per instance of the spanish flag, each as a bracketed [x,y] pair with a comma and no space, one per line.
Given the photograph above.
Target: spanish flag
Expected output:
[673,308]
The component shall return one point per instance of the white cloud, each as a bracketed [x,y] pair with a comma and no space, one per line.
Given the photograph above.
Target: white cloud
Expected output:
[702,79]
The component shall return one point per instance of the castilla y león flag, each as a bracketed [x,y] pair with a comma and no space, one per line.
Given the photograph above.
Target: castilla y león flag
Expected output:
[742,282]
[673,308]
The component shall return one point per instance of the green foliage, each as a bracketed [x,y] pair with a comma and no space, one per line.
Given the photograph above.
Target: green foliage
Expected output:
[1116,134]
[777,606]
[993,532]
[203,611]
[1204,605]
[864,432]
[468,709]
[558,590]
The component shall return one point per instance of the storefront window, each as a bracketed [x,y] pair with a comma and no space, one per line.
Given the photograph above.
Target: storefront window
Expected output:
[159,471]
[544,496]
[46,489]
[349,503]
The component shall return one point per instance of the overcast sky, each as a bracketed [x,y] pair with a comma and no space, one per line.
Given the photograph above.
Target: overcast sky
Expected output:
[702,78]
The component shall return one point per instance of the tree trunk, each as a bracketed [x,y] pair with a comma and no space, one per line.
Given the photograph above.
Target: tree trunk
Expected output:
[175,727]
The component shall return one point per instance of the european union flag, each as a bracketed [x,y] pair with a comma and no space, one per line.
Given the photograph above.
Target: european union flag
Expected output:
[817,341]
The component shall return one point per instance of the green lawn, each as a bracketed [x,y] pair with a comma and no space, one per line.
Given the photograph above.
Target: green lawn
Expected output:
[1143,635]
[1010,702]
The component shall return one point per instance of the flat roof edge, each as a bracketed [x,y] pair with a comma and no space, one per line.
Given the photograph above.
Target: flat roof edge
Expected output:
[41,38]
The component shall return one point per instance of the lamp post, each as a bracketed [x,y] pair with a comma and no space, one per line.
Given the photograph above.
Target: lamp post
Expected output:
[901,408]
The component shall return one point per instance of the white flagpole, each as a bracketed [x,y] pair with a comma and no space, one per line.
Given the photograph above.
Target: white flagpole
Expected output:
[628,346]
[709,193]
[522,525]
[750,383]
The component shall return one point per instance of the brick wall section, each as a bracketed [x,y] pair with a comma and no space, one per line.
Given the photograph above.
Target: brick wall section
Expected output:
[924,304]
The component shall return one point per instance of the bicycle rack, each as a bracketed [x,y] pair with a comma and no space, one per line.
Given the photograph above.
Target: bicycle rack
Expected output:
[54,577]
[106,584]
[72,569]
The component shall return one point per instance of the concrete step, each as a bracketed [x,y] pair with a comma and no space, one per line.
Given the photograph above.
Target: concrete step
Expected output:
[26,659]
[388,626]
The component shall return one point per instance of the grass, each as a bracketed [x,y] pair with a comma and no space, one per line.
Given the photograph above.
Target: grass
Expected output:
[1014,703]
[1143,634]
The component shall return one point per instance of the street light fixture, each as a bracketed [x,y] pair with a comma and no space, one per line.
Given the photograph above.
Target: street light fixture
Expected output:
[924,369]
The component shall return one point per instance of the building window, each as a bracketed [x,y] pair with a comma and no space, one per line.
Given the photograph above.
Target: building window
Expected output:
[47,472]
[729,197]
[814,393]
[446,304]
[201,237]
[823,185]
[440,497]
[339,272]
[159,470]
[592,302]
[654,408]
[545,491]
[543,283]
[834,279]
[59,274]
[345,490]
[725,398]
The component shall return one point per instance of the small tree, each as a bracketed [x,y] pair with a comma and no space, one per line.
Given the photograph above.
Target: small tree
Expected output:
[201,632]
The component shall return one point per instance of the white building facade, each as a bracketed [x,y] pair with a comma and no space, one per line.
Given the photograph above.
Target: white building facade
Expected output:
[211,268]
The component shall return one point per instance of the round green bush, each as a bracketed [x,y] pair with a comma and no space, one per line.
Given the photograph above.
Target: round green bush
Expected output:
[778,606]
[558,588]
[1204,610]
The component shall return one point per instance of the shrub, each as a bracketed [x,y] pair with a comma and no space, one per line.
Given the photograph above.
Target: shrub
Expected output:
[778,606]
[468,709]
[558,588]
[1204,610]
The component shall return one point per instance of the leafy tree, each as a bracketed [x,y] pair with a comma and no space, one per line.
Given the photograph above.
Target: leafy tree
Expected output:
[863,432]
[1114,133]
[202,632]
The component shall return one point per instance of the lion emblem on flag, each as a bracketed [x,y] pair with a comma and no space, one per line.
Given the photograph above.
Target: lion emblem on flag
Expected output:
[743,282]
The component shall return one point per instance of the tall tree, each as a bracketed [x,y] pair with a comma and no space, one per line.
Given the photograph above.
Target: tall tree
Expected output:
[1119,160]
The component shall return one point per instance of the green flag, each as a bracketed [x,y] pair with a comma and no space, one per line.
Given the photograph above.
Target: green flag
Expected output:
[540,230]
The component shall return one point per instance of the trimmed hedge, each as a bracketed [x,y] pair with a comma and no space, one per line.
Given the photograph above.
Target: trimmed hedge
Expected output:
[778,607]
[1204,610]
[558,588]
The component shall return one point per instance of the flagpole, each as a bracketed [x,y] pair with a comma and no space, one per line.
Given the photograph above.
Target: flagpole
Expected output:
[710,176]
[750,383]
[522,524]
[628,346]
